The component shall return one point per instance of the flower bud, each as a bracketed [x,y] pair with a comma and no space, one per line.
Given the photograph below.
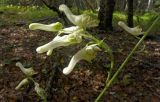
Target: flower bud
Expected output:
[26,71]
[40,91]
[23,83]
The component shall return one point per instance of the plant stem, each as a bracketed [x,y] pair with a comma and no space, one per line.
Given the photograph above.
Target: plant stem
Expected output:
[107,49]
[126,60]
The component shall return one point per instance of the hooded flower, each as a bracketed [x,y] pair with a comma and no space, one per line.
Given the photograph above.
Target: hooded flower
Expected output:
[134,31]
[69,30]
[54,27]
[23,83]
[27,71]
[59,41]
[87,53]
[84,20]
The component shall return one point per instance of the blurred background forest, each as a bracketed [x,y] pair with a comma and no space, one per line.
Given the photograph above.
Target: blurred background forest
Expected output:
[21,11]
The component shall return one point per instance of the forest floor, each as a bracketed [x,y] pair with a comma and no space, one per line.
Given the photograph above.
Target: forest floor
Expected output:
[138,82]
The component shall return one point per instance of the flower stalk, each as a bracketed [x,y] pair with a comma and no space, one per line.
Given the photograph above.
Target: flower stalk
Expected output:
[107,49]
[122,66]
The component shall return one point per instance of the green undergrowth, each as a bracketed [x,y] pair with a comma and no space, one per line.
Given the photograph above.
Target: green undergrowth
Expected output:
[10,14]
[143,20]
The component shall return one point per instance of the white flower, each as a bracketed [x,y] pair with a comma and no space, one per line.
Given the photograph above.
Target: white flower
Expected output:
[69,30]
[40,91]
[51,27]
[27,71]
[87,53]
[84,20]
[59,41]
[22,83]
[134,31]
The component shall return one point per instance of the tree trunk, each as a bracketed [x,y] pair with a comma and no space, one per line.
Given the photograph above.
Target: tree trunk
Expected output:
[106,14]
[101,15]
[109,14]
[126,5]
[130,13]
[149,5]
[50,5]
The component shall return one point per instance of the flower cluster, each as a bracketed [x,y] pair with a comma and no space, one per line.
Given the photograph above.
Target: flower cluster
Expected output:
[71,35]
[29,72]
[67,37]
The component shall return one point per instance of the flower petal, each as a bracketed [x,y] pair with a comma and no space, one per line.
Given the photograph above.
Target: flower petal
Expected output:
[71,65]
[51,27]
[59,41]
[69,30]
[85,20]
[87,53]
[134,31]
[24,82]
[27,71]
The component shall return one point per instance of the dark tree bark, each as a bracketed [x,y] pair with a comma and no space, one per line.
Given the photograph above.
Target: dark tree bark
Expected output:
[50,5]
[130,13]
[101,15]
[109,13]
[106,14]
